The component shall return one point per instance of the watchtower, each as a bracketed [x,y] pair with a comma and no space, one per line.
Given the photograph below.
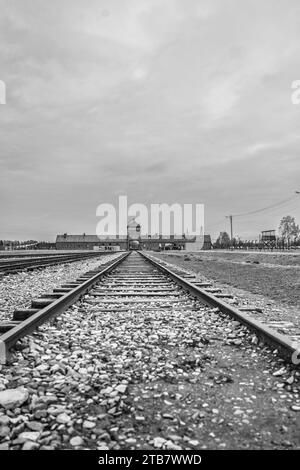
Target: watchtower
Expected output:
[268,239]
[133,235]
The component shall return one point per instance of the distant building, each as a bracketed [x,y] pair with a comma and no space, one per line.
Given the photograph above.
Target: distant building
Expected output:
[46,246]
[134,230]
[134,241]
[90,242]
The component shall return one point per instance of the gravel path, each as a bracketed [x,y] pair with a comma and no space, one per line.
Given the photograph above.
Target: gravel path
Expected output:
[275,276]
[187,378]
[17,290]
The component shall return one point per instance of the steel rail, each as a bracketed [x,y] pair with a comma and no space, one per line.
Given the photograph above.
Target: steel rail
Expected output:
[38,259]
[286,348]
[9,339]
[9,267]
[34,259]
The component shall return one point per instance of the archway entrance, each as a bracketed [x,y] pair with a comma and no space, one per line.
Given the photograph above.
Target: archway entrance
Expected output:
[134,245]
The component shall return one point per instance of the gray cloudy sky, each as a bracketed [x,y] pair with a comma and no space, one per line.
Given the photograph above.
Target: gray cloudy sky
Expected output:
[162,100]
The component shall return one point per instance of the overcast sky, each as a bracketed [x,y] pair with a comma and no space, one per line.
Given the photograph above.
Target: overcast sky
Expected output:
[162,100]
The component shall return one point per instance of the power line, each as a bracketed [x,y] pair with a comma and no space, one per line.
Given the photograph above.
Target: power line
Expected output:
[289,206]
[272,206]
[257,211]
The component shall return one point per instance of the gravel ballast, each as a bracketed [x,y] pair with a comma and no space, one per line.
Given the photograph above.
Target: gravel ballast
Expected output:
[17,290]
[181,378]
[226,274]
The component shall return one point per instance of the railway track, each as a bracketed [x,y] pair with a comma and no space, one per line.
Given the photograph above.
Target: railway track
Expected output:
[138,284]
[279,334]
[13,266]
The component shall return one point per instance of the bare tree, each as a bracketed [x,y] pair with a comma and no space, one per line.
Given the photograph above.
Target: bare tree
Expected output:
[288,229]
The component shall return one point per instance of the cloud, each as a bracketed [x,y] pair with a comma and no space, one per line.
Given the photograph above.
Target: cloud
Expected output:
[152,97]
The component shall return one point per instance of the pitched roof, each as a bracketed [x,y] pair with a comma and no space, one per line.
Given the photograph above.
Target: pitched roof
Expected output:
[87,238]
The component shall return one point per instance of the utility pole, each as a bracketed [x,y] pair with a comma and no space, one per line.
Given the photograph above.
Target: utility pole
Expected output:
[230,217]
[231,230]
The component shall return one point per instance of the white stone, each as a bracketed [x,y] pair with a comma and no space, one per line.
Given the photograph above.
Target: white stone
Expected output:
[194,442]
[121,388]
[42,368]
[30,445]
[4,419]
[171,446]
[158,442]
[130,441]
[76,441]
[29,436]
[12,398]
[4,446]
[63,418]
[279,372]
[102,446]
[88,424]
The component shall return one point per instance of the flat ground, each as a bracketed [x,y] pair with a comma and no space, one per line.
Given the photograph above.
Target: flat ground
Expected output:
[273,275]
